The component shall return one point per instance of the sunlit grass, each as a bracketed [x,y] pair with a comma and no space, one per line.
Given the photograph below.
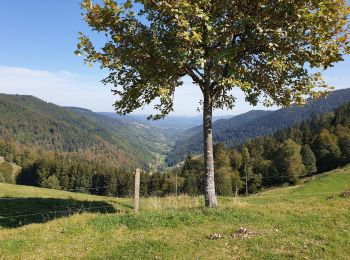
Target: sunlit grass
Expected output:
[293,222]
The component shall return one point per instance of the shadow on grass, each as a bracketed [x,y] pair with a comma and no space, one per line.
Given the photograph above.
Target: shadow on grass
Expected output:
[124,205]
[17,212]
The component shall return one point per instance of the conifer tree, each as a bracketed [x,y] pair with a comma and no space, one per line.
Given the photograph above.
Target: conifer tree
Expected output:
[289,161]
[343,135]
[309,160]
[326,150]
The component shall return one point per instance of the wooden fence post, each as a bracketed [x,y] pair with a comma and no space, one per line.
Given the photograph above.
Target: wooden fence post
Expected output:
[176,183]
[137,191]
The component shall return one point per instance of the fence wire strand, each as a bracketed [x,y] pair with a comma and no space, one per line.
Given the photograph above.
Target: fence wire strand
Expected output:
[77,210]
[83,209]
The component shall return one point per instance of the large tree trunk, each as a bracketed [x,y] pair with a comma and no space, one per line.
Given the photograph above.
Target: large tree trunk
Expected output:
[209,193]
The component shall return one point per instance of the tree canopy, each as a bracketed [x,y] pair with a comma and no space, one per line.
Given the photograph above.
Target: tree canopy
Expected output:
[262,47]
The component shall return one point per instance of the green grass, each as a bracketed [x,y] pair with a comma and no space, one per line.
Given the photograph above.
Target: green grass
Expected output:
[306,221]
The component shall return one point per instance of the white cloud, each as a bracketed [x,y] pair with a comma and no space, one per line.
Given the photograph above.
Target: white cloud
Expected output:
[62,88]
[68,89]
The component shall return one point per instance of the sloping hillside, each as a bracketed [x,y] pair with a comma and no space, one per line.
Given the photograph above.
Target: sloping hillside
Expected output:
[143,140]
[190,141]
[230,133]
[33,122]
[235,121]
[309,221]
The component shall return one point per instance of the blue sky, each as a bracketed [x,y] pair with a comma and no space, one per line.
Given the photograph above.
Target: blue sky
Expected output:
[38,38]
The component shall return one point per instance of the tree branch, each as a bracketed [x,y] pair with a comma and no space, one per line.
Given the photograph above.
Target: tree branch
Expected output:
[195,78]
[198,72]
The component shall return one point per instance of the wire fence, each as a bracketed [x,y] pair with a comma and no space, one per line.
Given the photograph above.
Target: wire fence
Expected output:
[55,212]
[331,193]
[76,190]
[78,210]
[82,208]
[81,190]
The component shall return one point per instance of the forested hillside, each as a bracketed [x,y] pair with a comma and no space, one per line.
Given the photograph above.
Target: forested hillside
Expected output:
[45,127]
[230,133]
[311,147]
[76,149]
[191,140]
[140,139]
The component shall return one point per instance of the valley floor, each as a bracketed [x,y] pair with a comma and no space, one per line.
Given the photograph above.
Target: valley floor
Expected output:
[310,221]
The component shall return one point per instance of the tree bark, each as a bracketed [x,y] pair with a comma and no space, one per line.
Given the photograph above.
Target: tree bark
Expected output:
[137,191]
[209,193]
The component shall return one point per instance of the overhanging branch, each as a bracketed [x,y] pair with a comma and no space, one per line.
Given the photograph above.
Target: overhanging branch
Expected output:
[196,78]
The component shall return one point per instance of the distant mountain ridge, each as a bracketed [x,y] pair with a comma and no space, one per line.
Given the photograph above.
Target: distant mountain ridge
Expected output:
[170,122]
[231,122]
[238,129]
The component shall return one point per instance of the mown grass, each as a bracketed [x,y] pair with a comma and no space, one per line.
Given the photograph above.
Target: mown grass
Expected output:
[307,221]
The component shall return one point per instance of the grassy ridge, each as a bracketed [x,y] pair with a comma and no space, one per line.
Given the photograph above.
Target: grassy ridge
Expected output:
[306,221]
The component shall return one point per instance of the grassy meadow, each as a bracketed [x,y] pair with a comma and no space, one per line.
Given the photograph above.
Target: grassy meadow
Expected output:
[307,221]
